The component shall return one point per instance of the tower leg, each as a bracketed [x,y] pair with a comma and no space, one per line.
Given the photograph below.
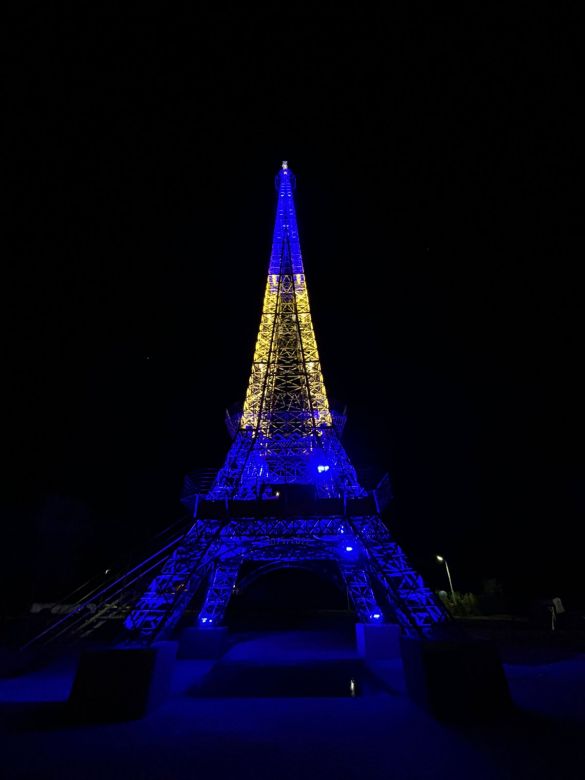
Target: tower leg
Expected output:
[418,611]
[160,608]
[221,588]
[361,594]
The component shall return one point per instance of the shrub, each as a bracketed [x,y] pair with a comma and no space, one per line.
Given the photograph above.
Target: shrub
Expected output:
[460,604]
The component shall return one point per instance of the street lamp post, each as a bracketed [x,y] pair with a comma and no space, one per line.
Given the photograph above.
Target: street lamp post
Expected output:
[443,560]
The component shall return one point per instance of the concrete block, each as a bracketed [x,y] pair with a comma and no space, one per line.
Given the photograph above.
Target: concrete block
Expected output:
[122,683]
[455,679]
[203,642]
[378,641]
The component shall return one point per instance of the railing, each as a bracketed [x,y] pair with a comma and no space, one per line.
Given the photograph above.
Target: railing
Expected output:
[276,508]
[383,493]
[106,597]
[196,483]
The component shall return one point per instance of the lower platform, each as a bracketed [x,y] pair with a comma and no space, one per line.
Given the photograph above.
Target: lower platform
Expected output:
[122,683]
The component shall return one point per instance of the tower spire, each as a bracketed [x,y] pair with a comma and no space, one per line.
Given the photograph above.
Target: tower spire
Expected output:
[285,242]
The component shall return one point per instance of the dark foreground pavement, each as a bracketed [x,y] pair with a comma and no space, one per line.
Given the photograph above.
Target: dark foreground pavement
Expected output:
[279,706]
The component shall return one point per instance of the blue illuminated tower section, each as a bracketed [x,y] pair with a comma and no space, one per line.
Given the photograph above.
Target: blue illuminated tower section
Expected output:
[287,494]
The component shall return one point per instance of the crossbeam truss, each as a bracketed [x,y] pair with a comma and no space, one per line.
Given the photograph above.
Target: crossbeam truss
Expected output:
[286,439]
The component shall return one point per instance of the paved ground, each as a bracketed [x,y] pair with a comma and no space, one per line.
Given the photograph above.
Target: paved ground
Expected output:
[216,726]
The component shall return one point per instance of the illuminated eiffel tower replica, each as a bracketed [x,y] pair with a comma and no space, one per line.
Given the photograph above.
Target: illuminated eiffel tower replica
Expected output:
[287,495]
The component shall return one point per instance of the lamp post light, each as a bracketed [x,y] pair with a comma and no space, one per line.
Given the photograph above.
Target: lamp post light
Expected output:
[443,560]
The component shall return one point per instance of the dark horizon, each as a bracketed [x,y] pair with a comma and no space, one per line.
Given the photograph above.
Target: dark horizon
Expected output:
[443,170]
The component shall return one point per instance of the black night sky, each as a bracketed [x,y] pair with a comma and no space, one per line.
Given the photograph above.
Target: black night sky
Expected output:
[440,203]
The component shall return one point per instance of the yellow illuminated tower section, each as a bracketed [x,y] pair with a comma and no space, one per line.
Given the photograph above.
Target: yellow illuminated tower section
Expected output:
[286,392]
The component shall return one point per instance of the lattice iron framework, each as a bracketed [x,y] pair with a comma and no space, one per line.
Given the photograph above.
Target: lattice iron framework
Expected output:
[287,491]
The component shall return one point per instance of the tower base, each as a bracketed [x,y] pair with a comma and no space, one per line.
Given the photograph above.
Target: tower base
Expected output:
[378,641]
[455,680]
[122,683]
